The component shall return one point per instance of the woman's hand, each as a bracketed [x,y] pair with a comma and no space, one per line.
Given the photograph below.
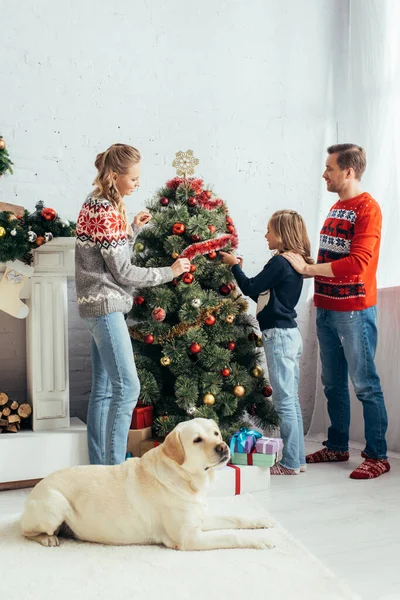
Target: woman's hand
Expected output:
[297,261]
[230,259]
[142,218]
[181,265]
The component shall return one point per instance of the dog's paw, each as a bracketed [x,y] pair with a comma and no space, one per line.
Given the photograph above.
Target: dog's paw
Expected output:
[256,523]
[258,542]
[49,540]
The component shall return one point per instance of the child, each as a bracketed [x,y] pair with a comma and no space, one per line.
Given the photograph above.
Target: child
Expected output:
[105,284]
[277,290]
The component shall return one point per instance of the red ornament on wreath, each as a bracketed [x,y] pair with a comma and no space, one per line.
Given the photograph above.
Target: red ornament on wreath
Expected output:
[231,346]
[229,221]
[212,255]
[138,300]
[149,339]
[195,348]
[188,278]
[225,372]
[207,194]
[195,237]
[178,229]
[212,228]
[158,314]
[164,201]
[225,289]
[267,391]
[40,240]
[210,320]
[192,201]
[230,228]
[49,214]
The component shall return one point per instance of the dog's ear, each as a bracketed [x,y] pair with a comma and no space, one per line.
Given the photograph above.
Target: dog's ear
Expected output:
[173,447]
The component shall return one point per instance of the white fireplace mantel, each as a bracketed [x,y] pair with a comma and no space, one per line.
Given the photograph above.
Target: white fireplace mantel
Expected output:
[42,451]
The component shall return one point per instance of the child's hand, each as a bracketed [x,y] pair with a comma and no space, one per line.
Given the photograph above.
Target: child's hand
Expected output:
[229,259]
[142,218]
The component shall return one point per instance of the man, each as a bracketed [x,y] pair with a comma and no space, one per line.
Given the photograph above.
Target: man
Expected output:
[345,297]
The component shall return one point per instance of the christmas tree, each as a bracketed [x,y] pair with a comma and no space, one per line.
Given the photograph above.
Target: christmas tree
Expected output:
[5,161]
[197,351]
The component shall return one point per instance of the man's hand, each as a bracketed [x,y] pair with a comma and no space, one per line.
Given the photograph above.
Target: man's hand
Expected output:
[297,261]
[142,218]
[230,259]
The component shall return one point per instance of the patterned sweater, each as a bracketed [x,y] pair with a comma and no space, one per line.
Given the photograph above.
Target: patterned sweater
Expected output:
[105,278]
[350,239]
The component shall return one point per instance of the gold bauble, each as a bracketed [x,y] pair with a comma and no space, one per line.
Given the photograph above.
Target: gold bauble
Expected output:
[257,372]
[230,319]
[2,144]
[165,361]
[209,399]
[175,255]
[238,390]
[259,343]
[2,232]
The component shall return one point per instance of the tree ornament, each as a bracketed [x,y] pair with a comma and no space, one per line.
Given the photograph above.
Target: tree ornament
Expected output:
[149,339]
[13,232]
[252,337]
[2,232]
[225,372]
[207,194]
[212,228]
[212,255]
[191,411]
[49,214]
[2,144]
[267,391]
[230,319]
[165,361]
[239,391]
[210,320]
[64,223]
[193,268]
[209,399]
[164,201]
[178,229]
[195,348]
[139,247]
[196,302]
[229,221]
[259,342]
[158,314]
[231,346]
[225,289]
[195,237]
[188,278]
[257,372]
[175,282]
[192,201]
[31,236]
[48,236]
[138,300]
[185,163]
[175,255]
[40,240]
[230,229]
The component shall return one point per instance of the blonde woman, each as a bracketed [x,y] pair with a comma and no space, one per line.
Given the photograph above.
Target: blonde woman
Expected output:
[105,283]
[277,290]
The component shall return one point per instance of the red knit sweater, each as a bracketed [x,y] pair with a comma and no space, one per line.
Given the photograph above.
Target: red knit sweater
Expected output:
[350,239]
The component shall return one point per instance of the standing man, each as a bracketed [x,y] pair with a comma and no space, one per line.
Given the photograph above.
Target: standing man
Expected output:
[345,297]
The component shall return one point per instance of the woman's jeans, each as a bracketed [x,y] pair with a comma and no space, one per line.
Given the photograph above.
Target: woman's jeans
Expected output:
[347,342]
[283,348]
[115,389]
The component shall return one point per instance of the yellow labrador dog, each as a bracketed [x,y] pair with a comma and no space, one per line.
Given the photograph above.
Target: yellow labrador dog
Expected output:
[156,499]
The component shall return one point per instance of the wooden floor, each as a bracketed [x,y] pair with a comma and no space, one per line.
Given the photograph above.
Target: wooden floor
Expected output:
[352,526]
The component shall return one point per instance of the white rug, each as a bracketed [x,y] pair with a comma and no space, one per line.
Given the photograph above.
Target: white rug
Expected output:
[78,570]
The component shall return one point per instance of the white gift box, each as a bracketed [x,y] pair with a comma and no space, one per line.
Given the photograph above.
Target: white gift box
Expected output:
[233,480]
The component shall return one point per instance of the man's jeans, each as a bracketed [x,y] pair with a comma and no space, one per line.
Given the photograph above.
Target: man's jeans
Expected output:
[347,342]
[115,389]
[283,349]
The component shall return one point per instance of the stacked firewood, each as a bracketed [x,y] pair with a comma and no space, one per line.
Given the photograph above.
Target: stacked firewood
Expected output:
[12,414]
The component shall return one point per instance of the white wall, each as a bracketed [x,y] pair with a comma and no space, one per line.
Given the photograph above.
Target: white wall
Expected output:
[249,86]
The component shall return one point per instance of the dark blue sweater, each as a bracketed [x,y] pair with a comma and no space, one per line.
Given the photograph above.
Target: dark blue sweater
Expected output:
[285,286]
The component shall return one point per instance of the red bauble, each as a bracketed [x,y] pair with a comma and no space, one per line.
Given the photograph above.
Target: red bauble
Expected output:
[164,201]
[212,255]
[188,278]
[267,391]
[225,372]
[192,201]
[139,300]
[252,337]
[193,268]
[49,214]
[207,194]
[229,221]
[195,348]
[149,339]
[175,282]
[158,314]
[230,228]
[212,228]
[40,240]
[225,289]
[231,346]
[210,320]
[195,238]
[178,229]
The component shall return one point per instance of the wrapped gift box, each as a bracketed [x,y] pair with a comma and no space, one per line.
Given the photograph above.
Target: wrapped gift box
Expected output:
[135,437]
[244,440]
[267,445]
[233,480]
[254,458]
[147,445]
[142,417]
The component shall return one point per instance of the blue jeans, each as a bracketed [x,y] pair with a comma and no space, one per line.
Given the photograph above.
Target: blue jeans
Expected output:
[347,342]
[283,348]
[115,389]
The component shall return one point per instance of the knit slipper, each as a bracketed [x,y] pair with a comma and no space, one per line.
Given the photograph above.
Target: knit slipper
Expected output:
[371,468]
[279,469]
[326,455]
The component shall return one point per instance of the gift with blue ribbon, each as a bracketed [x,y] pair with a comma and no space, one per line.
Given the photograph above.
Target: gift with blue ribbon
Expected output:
[244,440]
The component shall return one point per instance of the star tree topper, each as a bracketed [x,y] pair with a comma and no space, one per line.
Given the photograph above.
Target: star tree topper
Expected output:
[185,163]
